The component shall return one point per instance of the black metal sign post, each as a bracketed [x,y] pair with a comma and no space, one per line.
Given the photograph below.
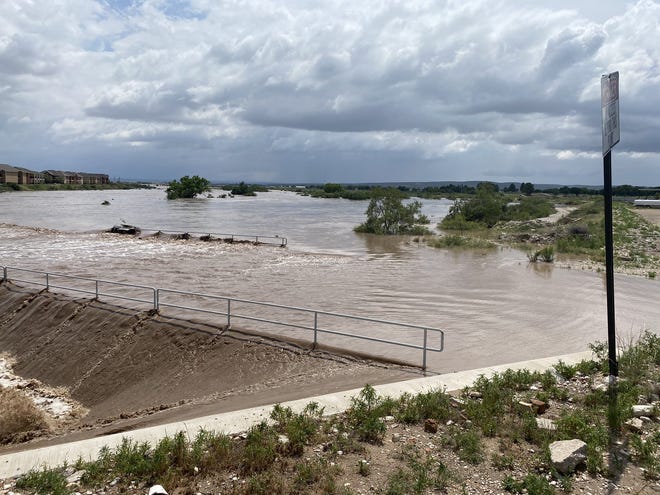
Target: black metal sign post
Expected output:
[609,266]
[609,94]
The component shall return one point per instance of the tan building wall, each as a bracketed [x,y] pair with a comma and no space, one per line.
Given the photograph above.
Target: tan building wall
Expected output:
[8,175]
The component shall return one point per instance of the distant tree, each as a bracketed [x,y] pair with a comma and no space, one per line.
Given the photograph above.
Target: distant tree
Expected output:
[387,215]
[332,188]
[187,187]
[511,189]
[242,189]
[527,188]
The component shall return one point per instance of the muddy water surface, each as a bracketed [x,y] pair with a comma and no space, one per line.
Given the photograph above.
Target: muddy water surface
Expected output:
[494,307]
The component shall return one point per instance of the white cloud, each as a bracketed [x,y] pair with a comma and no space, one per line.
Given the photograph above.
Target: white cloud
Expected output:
[263,84]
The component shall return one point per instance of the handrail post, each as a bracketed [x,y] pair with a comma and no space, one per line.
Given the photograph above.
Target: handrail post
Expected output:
[424,358]
[156,300]
[228,313]
[4,274]
[316,327]
[47,282]
[97,290]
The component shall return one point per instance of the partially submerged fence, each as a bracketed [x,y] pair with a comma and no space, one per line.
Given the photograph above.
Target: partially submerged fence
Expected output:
[229,308]
[215,236]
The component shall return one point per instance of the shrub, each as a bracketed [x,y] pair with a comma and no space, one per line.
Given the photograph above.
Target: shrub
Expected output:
[299,428]
[365,414]
[546,254]
[51,481]
[434,404]
[20,418]
[260,448]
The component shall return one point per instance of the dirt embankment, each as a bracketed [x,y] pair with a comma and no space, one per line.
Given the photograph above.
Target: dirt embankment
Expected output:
[131,369]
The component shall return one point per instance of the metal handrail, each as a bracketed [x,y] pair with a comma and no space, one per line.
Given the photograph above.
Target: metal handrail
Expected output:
[156,303]
[258,239]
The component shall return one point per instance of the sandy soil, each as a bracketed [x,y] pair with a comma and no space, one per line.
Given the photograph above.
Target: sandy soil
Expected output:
[650,214]
[133,369]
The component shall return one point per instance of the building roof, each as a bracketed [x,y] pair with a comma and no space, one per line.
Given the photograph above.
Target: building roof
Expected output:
[8,168]
[22,169]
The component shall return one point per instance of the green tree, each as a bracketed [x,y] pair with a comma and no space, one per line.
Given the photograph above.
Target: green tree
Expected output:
[485,209]
[527,188]
[512,188]
[243,189]
[187,187]
[387,215]
[332,188]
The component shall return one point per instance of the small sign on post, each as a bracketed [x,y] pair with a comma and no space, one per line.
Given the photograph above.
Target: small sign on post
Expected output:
[609,102]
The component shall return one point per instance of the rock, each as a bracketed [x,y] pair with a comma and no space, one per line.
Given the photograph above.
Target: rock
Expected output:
[388,419]
[282,439]
[74,478]
[635,425]
[538,406]
[546,424]
[396,437]
[566,455]
[430,425]
[642,410]
[475,394]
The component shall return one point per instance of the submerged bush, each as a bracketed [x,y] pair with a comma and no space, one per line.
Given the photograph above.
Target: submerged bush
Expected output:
[20,418]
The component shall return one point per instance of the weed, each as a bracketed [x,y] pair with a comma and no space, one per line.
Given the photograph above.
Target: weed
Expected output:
[420,474]
[365,415]
[299,428]
[503,462]
[646,453]
[545,254]
[532,484]
[364,468]
[260,448]
[434,404]
[265,483]
[462,241]
[50,481]
[566,371]
[467,444]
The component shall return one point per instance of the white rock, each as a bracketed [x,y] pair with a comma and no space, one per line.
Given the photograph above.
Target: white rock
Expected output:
[635,425]
[74,478]
[546,424]
[642,410]
[566,455]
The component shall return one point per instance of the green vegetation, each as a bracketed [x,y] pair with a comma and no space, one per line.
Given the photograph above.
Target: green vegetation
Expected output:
[243,189]
[187,187]
[545,254]
[387,215]
[489,206]
[487,425]
[462,241]
[334,190]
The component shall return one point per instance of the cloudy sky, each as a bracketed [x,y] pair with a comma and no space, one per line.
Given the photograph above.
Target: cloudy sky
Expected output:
[332,90]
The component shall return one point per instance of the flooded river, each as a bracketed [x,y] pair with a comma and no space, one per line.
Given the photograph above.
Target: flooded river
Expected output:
[494,307]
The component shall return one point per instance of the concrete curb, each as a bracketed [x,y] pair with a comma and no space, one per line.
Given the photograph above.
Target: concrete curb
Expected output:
[231,423]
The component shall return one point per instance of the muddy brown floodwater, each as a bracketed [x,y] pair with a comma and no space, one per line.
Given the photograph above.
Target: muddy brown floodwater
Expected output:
[494,306]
